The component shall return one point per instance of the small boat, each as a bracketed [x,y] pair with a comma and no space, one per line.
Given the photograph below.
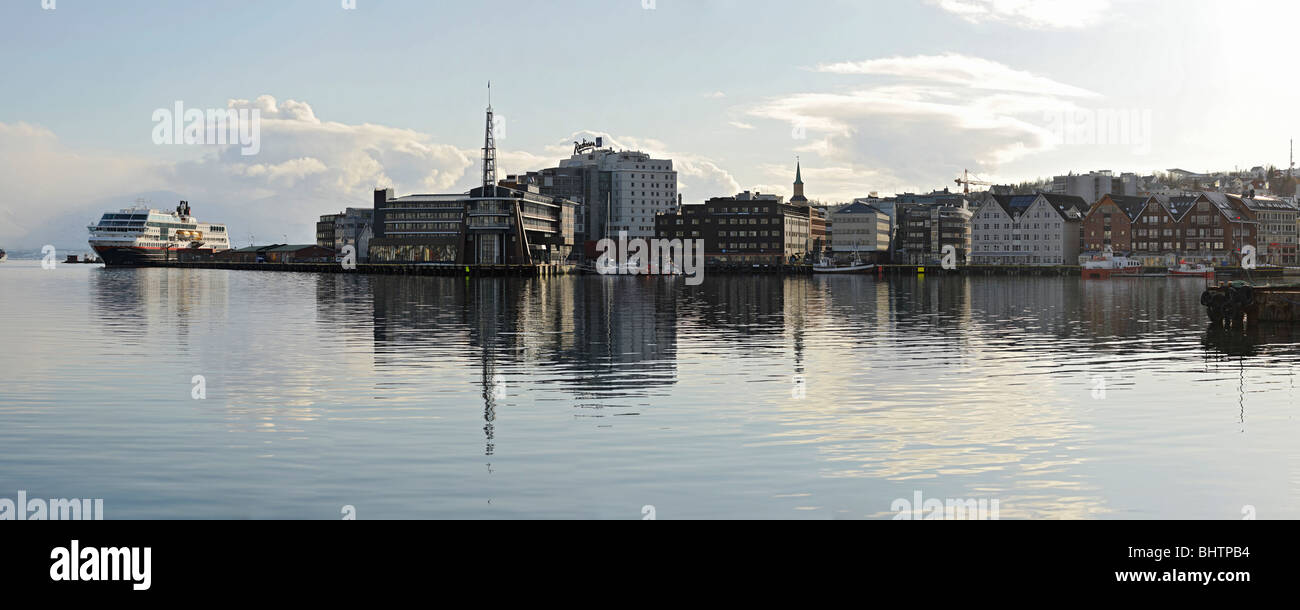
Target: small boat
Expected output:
[1200,270]
[827,265]
[1107,265]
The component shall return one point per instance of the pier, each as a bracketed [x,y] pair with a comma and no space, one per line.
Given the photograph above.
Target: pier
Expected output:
[380,269]
[1232,304]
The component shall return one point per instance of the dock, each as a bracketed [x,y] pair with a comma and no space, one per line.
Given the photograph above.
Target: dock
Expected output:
[1233,304]
[380,268]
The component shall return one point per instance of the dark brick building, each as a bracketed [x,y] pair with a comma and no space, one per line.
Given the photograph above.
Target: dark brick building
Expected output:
[750,228]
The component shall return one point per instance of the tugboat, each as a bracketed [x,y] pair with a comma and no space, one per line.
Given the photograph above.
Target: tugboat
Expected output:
[1107,265]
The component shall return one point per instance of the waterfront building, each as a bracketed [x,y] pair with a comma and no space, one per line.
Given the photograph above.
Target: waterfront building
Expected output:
[491,225]
[749,228]
[616,190]
[1109,223]
[1157,230]
[500,222]
[277,253]
[1211,227]
[1041,229]
[924,229]
[1277,235]
[860,229]
[353,227]
[325,230]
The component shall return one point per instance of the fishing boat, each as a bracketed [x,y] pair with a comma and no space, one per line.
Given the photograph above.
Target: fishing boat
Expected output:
[1200,270]
[827,265]
[1108,265]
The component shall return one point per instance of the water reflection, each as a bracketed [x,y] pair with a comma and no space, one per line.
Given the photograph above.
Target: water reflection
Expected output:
[1058,397]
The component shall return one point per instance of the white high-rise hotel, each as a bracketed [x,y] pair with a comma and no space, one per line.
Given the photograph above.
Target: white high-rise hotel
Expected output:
[630,189]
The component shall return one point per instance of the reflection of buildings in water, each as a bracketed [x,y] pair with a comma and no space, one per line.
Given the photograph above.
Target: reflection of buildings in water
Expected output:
[1270,349]
[181,317]
[748,307]
[137,303]
[343,303]
[1033,304]
[605,337]
[610,336]
[1130,307]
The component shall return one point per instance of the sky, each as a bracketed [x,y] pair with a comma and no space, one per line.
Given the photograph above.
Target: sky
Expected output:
[879,96]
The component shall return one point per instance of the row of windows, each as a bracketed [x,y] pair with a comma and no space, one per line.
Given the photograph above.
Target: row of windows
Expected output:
[1017,248]
[1017,237]
[1171,245]
[999,227]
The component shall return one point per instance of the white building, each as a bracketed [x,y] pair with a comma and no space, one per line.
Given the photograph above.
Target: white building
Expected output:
[860,228]
[1042,229]
[628,189]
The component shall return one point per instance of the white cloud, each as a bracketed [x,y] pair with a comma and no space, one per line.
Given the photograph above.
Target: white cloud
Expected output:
[1030,14]
[933,117]
[740,125]
[716,95]
[41,178]
[962,70]
[306,167]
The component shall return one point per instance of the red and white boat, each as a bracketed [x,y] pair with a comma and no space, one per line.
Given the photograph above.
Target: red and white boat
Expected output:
[1200,270]
[1107,265]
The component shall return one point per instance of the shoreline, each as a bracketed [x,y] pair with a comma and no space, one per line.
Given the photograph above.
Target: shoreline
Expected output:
[552,270]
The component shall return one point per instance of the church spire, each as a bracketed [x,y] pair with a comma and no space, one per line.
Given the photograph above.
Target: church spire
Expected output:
[798,184]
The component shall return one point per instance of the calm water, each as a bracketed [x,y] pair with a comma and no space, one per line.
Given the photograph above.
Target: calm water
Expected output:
[593,397]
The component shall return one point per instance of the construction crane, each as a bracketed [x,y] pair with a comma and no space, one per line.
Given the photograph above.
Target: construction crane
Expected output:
[967,182]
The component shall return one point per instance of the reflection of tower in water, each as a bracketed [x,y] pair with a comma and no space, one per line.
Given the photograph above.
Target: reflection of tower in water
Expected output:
[600,338]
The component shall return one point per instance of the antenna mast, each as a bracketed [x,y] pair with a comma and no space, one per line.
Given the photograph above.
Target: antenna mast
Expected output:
[489,147]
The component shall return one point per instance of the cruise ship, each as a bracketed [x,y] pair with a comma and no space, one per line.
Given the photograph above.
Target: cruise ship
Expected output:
[137,235]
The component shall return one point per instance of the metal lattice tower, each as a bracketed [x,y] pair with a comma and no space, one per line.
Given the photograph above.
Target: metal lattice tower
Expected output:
[489,147]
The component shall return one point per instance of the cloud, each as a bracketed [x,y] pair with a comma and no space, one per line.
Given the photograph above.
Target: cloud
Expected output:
[1030,14]
[306,166]
[926,117]
[716,95]
[740,125]
[41,178]
[961,70]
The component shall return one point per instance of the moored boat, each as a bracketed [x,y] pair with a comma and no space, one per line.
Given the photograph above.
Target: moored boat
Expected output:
[828,265]
[1200,270]
[1108,265]
[138,235]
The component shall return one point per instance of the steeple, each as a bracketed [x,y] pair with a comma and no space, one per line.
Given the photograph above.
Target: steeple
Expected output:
[489,147]
[798,197]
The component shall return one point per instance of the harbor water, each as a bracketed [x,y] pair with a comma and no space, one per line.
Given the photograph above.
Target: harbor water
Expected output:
[175,393]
